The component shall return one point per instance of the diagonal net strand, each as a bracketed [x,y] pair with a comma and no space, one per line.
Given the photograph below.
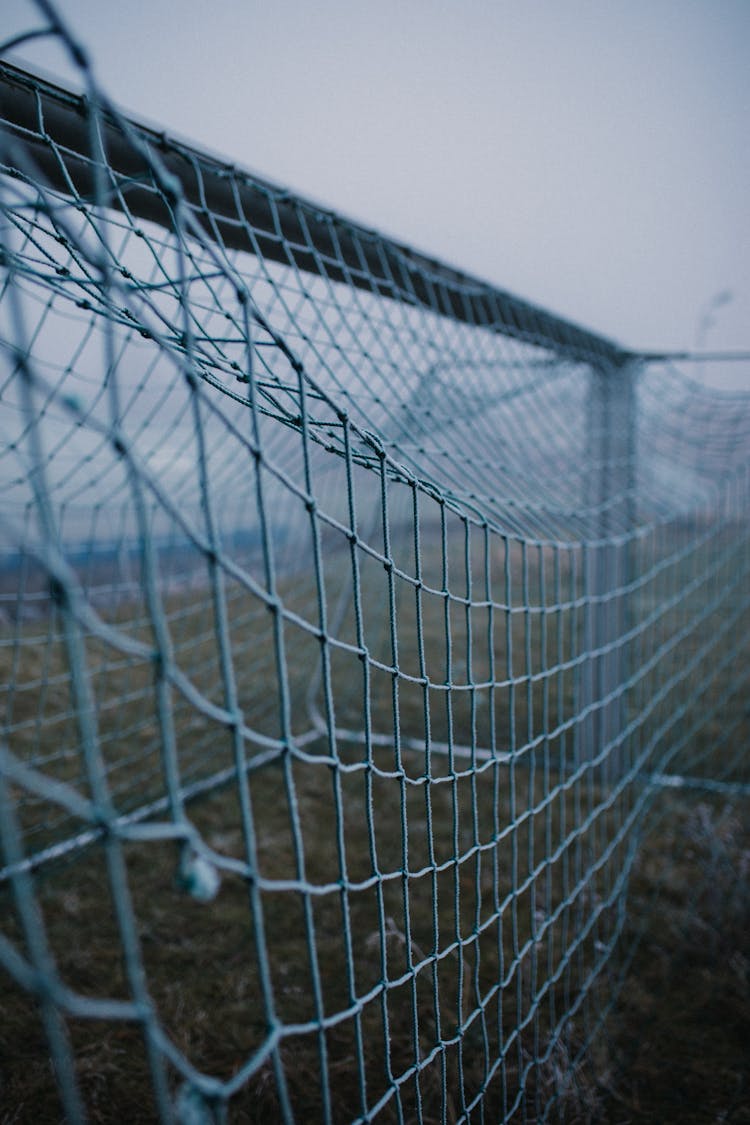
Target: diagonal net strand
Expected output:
[425,593]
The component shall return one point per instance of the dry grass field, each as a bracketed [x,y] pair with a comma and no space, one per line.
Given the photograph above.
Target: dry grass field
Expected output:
[673,1047]
[430,927]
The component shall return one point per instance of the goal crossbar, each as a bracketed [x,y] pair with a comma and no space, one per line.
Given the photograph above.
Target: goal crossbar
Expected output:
[247,212]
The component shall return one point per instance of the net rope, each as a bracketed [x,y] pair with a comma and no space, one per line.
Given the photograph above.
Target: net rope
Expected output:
[425,593]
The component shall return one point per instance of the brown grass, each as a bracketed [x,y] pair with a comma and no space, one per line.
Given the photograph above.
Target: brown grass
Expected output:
[445,893]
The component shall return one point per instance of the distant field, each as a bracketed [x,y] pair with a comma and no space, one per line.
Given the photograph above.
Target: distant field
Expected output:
[418,929]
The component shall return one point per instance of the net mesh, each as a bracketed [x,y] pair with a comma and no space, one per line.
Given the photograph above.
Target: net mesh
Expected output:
[425,593]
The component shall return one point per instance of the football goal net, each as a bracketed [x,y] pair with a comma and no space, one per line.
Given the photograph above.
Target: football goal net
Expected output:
[353,615]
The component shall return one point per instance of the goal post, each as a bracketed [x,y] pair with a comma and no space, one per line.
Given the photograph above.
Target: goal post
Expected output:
[243,211]
[611,427]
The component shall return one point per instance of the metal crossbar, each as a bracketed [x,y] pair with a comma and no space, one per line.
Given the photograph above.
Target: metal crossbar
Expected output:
[424,592]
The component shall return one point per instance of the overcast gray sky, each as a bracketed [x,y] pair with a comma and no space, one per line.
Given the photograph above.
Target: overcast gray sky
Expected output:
[590,155]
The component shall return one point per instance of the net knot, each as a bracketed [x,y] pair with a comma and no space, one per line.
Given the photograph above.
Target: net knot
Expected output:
[197,877]
[192,1108]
